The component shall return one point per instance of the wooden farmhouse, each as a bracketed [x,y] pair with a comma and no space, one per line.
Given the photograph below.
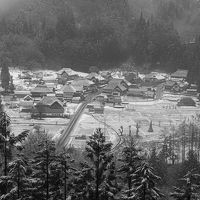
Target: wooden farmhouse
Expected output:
[49,106]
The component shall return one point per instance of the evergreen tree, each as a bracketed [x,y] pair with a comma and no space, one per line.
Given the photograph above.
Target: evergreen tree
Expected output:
[5,75]
[65,27]
[150,127]
[137,130]
[61,170]
[41,165]
[81,186]
[19,184]
[96,178]
[190,189]
[11,86]
[7,140]
[129,159]
[140,43]
[144,181]
[190,164]
[32,143]
[157,161]
[110,186]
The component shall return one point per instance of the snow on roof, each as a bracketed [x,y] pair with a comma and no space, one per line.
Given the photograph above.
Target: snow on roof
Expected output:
[105,73]
[95,75]
[26,104]
[71,72]
[49,100]
[28,98]
[78,84]
[180,73]
[135,90]
[41,88]
[22,92]
[170,83]
[68,88]
[49,78]
[115,83]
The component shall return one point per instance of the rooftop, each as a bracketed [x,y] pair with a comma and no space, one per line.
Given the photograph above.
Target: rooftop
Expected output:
[68,88]
[180,73]
[26,104]
[115,83]
[94,75]
[41,88]
[49,100]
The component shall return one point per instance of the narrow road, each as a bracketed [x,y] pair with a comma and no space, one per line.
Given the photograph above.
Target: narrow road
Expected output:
[64,138]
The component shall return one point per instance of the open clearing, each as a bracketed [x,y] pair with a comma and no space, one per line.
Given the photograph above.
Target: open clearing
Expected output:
[164,114]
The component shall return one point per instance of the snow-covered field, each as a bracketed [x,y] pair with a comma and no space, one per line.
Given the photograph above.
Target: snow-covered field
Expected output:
[163,114]
[23,121]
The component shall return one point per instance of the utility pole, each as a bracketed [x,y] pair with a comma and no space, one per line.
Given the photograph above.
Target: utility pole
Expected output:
[130,130]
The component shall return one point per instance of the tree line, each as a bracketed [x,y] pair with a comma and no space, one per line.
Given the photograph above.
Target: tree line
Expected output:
[101,33]
[31,168]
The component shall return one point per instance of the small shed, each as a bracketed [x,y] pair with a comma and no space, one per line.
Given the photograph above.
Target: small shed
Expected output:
[180,74]
[186,101]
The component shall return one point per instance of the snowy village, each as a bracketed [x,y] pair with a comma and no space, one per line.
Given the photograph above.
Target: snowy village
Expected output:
[99,100]
[111,100]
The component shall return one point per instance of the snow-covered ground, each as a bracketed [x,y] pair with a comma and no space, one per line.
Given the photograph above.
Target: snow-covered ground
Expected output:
[23,121]
[164,114]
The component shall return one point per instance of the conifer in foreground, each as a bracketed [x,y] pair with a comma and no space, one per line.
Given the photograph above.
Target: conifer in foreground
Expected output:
[96,178]
[144,181]
[189,191]
[129,159]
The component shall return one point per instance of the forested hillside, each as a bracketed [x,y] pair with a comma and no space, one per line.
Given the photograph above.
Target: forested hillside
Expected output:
[105,33]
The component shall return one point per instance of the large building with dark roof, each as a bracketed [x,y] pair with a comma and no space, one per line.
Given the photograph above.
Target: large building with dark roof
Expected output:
[41,91]
[180,74]
[116,87]
[68,91]
[49,106]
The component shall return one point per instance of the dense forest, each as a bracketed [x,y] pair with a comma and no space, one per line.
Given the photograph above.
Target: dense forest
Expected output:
[105,33]
[32,167]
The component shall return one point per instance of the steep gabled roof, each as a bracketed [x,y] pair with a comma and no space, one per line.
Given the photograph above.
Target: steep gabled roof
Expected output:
[49,100]
[180,73]
[94,75]
[130,77]
[115,83]
[170,83]
[68,88]
[41,89]
[71,72]
[78,84]
[121,87]
[28,98]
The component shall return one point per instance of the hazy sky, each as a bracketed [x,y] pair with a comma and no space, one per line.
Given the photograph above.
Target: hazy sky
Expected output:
[6,4]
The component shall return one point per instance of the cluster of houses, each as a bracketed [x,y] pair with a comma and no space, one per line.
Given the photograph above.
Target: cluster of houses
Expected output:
[178,84]
[48,93]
